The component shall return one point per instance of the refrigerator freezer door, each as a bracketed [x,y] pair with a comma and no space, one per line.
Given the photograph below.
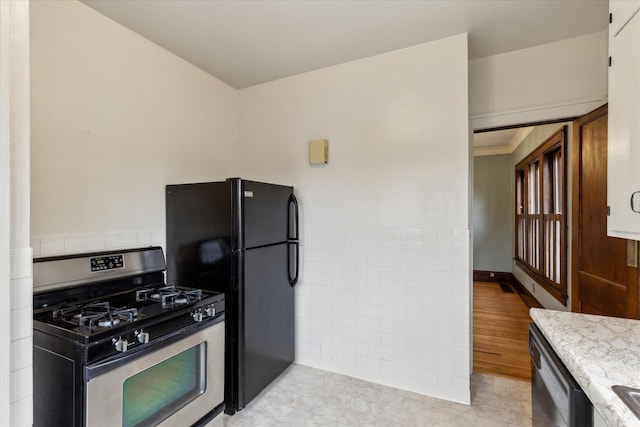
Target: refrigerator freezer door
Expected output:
[266,213]
[198,234]
[266,341]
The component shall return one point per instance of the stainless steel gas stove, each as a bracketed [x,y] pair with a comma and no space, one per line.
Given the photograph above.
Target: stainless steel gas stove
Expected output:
[113,345]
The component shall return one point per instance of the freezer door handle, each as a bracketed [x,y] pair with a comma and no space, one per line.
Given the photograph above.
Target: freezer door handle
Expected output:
[295,257]
[292,223]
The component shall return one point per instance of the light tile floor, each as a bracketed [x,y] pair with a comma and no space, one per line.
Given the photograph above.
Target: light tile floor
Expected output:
[304,396]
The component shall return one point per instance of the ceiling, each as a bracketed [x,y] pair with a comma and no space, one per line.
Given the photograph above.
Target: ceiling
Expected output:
[499,141]
[245,43]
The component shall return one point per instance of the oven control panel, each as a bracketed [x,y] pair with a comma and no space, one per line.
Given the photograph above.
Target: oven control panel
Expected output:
[202,312]
[121,344]
[108,262]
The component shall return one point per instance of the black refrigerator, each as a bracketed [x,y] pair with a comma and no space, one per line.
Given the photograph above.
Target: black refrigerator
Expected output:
[240,237]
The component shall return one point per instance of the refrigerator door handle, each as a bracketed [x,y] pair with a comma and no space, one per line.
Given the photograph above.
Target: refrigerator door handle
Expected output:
[293,278]
[292,234]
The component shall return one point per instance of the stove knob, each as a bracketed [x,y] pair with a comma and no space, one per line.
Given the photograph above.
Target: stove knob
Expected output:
[197,315]
[120,344]
[142,336]
[210,311]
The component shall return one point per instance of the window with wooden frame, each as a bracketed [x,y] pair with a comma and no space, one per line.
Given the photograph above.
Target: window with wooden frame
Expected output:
[541,232]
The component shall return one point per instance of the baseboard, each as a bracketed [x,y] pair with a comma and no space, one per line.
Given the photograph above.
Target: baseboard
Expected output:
[504,277]
[491,276]
[524,293]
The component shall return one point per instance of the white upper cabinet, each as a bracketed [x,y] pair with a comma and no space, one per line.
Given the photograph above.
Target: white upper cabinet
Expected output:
[623,176]
[621,12]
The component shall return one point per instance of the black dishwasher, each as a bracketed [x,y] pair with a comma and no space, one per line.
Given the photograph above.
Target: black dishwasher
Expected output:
[556,397]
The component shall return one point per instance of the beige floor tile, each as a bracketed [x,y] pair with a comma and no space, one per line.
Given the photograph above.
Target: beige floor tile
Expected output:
[308,397]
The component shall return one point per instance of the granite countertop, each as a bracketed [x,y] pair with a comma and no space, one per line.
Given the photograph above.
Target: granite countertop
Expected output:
[599,351]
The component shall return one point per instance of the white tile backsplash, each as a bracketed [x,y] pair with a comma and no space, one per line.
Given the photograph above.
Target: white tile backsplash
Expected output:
[21,353]
[22,412]
[20,349]
[22,293]
[21,383]
[76,243]
[51,245]
[93,242]
[144,238]
[21,265]
[387,304]
[112,240]
[21,323]
[130,239]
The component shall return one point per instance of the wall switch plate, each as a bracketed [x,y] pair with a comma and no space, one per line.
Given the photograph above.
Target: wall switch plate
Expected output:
[318,151]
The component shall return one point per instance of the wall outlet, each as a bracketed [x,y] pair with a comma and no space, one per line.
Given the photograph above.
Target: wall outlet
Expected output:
[533,287]
[492,274]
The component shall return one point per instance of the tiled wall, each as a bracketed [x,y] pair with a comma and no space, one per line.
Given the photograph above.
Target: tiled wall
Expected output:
[21,337]
[387,304]
[88,242]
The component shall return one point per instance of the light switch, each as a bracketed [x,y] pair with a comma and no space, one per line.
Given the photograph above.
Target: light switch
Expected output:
[319,151]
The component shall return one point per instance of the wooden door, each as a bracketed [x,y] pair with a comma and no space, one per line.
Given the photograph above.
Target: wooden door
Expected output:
[602,281]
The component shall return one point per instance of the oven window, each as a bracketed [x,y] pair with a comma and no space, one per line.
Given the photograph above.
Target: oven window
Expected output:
[161,390]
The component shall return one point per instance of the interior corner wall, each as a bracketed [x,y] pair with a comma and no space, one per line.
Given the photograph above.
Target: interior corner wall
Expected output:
[385,223]
[538,135]
[115,118]
[553,81]
[492,213]
[16,311]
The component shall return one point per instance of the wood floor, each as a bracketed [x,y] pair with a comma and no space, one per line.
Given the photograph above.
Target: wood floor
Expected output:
[500,335]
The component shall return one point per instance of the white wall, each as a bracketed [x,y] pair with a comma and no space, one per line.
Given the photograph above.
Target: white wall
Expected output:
[114,119]
[547,82]
[15,254]
[384,293]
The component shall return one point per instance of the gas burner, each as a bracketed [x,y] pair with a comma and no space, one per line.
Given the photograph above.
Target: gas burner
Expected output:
[169,296]
[94,315]
[104,316]
[108,322]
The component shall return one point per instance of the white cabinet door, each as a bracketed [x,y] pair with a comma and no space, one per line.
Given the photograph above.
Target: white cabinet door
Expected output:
[623,183]
[621,12]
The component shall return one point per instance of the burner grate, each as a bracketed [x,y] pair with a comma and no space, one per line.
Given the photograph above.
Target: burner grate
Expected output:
[169,296]
[94,315]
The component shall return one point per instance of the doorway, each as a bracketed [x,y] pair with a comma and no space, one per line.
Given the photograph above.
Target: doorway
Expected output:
[501,301]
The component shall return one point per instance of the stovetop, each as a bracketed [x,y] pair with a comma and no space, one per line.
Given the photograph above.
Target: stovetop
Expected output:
[114,302]
[113,311]
[106,306]
[117,314]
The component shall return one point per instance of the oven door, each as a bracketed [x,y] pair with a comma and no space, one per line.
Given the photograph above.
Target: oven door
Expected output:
[175,385]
